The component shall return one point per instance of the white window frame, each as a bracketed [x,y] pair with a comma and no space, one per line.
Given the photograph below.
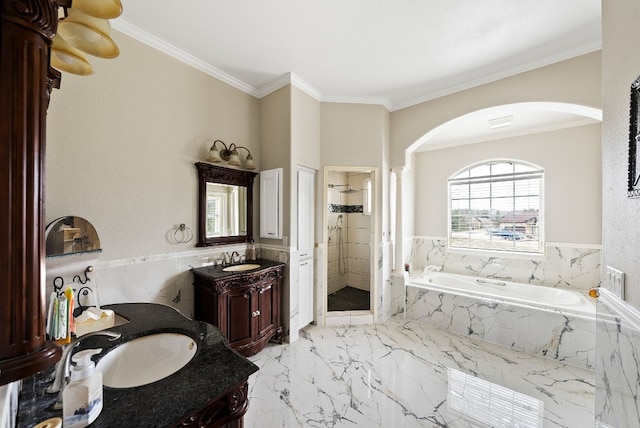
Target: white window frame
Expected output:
[534,171]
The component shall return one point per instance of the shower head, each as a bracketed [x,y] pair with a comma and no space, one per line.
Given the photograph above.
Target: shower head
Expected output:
[348,189]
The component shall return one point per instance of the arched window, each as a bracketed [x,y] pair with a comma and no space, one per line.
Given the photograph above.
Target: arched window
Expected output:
[497,205]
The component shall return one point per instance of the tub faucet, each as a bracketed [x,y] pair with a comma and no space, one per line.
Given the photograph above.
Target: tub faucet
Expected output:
[63,368]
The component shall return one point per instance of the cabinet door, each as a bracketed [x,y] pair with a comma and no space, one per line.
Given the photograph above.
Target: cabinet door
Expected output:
[306,205]
[239,316]
[271,203]
[305,278]
[265,310]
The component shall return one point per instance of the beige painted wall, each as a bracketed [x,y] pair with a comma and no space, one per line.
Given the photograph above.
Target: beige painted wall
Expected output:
[577,80]
[571,161]
[122,143]
[275,130]
[358,135]
[620,215]
[305,151]
[352,134]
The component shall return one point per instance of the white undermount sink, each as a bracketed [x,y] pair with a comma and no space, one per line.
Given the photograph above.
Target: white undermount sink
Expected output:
[241,268]
[146,359]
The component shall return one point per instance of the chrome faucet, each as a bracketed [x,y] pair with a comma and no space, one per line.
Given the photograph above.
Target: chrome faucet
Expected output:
[233,255]
[63,369]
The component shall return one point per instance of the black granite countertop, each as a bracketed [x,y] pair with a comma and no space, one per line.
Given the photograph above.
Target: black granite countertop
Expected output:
[217,272]
[214,370]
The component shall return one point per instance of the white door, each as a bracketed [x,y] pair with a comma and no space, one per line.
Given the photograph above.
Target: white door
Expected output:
[306,242]
[305,279]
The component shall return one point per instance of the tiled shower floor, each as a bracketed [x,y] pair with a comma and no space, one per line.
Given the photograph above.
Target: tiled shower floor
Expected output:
[398,375]
[348,299]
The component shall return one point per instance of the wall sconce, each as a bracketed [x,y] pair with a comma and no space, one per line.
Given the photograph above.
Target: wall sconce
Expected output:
[84,29]
[230,154]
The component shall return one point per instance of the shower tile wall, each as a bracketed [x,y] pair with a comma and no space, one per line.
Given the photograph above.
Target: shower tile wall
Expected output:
[359,248]
[335,281]
[356,233]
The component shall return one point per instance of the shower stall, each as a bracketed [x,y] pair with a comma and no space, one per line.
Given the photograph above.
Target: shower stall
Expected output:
[349,241]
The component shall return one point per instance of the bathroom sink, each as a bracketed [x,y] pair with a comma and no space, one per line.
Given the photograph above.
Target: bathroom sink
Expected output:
[241,268]
[146,359]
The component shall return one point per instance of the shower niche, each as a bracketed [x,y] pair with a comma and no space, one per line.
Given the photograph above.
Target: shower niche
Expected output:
[349,241]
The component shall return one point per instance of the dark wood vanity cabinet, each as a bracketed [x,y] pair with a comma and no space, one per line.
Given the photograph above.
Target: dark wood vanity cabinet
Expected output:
[244,306]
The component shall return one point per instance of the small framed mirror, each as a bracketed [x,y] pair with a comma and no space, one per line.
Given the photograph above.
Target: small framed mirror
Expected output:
[225,205]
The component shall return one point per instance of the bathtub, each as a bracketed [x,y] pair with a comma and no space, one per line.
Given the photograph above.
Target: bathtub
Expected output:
[549,322]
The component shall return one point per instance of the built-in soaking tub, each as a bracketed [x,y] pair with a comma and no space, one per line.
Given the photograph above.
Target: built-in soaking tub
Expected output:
[550,322]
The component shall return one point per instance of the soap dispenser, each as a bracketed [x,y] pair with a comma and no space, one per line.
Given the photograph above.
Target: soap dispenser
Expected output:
[251,251]
[82,398]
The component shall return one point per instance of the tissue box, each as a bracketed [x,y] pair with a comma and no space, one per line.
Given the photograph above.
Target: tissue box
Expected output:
[94,319]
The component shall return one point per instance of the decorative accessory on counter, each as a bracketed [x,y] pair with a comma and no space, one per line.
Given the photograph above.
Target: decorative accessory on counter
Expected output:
[185,235]
[230,154]
[94,319]
[84,28]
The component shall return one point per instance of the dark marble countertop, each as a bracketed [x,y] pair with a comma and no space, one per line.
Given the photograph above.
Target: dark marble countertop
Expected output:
[217,272]
[214,370]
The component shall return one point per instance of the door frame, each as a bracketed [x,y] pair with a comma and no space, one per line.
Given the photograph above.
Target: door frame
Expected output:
[372,314]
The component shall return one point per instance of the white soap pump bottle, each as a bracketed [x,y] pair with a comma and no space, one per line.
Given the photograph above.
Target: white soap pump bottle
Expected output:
[82,398]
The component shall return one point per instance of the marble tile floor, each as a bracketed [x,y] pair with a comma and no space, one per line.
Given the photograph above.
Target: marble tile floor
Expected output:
[395,375]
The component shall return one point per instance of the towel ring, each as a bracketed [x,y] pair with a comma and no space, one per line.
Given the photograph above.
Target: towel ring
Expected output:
[185,234]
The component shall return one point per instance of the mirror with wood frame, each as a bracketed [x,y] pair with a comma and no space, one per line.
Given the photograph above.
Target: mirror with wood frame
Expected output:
[225,205]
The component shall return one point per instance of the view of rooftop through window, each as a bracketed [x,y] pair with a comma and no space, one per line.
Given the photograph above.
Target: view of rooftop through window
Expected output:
[496,205]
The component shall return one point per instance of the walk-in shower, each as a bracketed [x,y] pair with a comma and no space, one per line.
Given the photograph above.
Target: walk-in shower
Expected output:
[349,224]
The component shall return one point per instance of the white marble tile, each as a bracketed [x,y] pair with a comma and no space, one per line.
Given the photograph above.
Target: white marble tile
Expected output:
[550,334]
[617,401]
[395,375]
[565,266]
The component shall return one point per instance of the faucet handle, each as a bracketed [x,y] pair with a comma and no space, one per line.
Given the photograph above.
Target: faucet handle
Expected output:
[64,365]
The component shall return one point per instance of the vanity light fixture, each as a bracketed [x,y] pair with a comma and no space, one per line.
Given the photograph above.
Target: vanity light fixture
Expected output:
[230,154]
[84,28]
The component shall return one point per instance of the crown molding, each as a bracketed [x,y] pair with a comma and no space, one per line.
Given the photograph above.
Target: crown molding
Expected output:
[294,80]
[289,79]
[503,74]
[385,102]
[167,48]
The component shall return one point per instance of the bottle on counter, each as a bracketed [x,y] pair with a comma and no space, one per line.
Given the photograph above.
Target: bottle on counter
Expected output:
[82,398]
[251,251]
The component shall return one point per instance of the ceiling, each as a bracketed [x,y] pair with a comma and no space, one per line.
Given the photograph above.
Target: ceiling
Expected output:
[395,53]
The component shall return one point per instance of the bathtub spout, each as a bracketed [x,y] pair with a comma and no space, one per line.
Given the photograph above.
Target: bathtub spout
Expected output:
[432,268]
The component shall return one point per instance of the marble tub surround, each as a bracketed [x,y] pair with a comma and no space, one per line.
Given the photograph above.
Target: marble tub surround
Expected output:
[213,371]
[617,402]
[546,332]
[573,266]
[395,374]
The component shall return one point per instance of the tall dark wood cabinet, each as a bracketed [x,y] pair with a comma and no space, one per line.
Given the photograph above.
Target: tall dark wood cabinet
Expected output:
[244,306]
[26,81]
